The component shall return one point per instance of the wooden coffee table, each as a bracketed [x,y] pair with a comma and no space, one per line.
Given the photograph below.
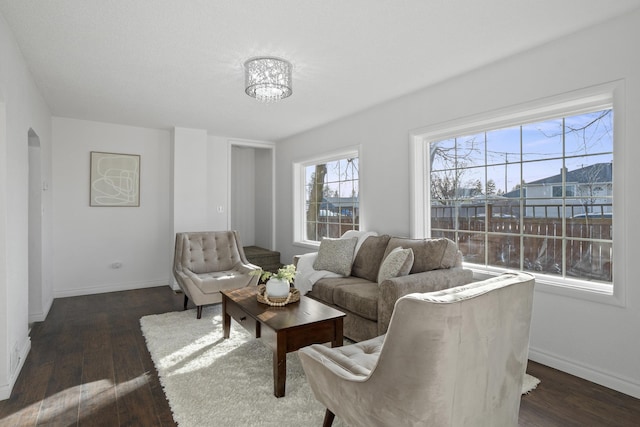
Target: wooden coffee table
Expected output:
[284,329]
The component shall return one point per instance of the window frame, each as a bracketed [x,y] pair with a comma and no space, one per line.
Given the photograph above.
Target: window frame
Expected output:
[299,190]
[609,95]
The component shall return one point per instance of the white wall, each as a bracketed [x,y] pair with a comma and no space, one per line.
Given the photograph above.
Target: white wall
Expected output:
[200,181]
[183,182]
[21,108]
[263,201]
[242,194]
[251,191]
[597,341]
[218,181]
[87,240]
[37,306]
[189,185]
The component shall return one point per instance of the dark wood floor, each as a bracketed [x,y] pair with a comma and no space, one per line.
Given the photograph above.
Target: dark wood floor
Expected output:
[89,366]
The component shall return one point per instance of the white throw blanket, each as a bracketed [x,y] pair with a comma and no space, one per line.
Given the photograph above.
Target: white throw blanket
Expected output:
[306,276]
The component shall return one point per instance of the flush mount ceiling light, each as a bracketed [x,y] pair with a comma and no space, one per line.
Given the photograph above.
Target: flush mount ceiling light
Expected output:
[267,79]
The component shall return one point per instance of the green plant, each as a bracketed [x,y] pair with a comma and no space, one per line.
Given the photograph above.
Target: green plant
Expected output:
[288,273]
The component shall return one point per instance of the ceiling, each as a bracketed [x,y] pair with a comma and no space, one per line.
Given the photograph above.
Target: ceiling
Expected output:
[166,63]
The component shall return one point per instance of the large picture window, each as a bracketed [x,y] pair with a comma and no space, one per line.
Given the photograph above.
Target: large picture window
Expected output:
[329,197]
[534,196]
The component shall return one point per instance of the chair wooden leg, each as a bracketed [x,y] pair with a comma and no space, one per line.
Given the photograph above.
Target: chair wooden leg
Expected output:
[328,418]
[186,300]
[199,311]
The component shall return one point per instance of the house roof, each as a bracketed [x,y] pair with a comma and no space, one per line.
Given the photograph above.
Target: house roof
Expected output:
[596,173]
[167,63]
[599,172]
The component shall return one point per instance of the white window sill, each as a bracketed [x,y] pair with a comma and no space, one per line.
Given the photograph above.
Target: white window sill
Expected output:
[572,288]
[308,244]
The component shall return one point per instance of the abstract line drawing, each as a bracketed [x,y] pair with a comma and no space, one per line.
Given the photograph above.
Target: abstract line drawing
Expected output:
[115,179]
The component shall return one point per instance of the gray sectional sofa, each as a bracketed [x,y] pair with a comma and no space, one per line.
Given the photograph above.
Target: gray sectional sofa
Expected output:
[437,264]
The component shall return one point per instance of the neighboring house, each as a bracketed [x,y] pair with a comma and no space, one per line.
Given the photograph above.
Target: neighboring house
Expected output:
[339,206]
[343,206]
[588,191]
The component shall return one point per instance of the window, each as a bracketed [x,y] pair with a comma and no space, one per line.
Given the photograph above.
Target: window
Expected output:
[327,197]
[534,196]
[568,189]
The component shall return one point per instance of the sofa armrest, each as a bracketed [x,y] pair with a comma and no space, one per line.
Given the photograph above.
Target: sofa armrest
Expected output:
[308,258]
[392,289]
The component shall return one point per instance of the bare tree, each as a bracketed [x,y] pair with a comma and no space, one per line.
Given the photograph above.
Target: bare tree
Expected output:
[447,183]
[592,179]
[319,193]
[491,187]
[316,195]
[591,189]
[476,188]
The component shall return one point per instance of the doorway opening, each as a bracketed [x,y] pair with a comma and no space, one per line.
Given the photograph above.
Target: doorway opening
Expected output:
[251,199]
[36,309]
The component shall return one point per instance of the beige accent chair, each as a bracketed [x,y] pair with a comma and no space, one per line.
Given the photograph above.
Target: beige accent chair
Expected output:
[455,357]
[209,261]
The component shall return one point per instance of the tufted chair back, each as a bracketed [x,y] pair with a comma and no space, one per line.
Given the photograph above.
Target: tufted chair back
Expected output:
[204,252]
[206,262]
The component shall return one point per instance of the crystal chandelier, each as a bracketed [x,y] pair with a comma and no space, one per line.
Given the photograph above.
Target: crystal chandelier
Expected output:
[267,79]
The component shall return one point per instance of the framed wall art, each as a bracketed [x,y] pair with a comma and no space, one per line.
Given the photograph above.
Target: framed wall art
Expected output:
[115,179]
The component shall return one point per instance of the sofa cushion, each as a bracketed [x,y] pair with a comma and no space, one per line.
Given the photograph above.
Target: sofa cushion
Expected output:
[359,297]
[336,255]
[428,254]
[210,283]
[397,263]
[323,289]
[367,261]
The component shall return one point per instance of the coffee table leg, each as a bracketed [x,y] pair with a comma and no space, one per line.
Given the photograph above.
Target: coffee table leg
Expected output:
[339,338]
[280,365]
[226,319]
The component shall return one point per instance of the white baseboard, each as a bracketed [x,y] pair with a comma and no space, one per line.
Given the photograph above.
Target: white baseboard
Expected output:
[39,317]
[588,373]
[5,389]
[110,287]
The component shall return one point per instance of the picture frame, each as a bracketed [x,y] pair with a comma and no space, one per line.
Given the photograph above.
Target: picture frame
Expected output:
[114,180]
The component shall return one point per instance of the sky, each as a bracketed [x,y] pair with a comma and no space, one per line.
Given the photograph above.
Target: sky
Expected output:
[530,152]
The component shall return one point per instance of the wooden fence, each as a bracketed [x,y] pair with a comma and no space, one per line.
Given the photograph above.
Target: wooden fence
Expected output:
[578,245]
[331,226]
[585,242]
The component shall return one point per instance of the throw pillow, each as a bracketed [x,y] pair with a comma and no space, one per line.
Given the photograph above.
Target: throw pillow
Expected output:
[361,235]
[366,263]
[336,255]
[397,263]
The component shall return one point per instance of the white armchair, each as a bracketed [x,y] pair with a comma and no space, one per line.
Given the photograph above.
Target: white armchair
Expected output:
[455,357]
[207,262]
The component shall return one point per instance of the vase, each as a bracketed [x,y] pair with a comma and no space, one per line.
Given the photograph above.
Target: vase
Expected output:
[277,288]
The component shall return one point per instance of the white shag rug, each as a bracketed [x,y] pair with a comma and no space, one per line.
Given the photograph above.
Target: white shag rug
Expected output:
[529,383]
[211,381]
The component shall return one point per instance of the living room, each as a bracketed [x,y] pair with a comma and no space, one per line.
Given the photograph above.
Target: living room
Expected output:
[586,334]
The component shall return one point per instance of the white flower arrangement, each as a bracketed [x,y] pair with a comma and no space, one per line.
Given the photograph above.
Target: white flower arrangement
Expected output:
[288,273]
